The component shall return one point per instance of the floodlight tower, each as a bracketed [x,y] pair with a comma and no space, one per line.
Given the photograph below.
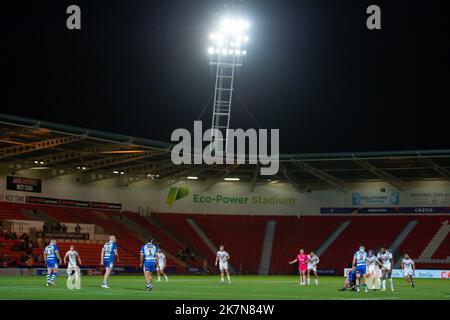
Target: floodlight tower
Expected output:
[227,50]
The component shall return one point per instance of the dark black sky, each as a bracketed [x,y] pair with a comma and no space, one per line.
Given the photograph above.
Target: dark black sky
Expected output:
[313,70]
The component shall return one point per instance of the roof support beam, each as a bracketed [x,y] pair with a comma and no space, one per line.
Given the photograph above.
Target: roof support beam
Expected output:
[139,172]
[228,170]
[380,173]
[325,177]
[255,177]
[35,146]
[178,176]
[444,173]
[292,180]
[14,166]
[95,165]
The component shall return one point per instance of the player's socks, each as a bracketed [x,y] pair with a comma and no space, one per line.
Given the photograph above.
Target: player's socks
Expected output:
[48,279]
[53,278]
[159,279]
[317,282]
[165,277]
[229,279]
[309,281]
[391,283]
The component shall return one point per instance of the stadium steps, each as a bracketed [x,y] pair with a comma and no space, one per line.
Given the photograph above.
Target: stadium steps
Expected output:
[207,241]
[333,236]
[266,252]
[180,240]
[400,238]
[38,214]
[143,233]
[418,239]
[434,244]
[177,224]
[163,240]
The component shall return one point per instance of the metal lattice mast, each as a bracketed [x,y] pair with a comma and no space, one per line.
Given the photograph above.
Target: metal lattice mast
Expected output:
[223,95]
[226,54]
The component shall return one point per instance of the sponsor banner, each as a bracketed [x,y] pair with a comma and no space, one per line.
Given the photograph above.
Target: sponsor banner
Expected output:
[63,235]
[84,271]
[175,194]
[23,184]
[194,270]
[73,203]
[327,272]
[386,210]
[419,274]
[375,198]
[430,198]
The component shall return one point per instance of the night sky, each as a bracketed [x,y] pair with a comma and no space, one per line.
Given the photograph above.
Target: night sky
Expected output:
[313,70]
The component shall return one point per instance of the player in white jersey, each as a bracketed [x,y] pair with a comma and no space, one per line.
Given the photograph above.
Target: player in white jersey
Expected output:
[222,257]
[72,259]
[387,261]
[408,267]
[161,265]
[372,263]
[313,261]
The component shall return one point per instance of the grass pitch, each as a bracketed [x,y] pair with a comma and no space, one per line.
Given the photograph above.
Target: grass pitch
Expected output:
[208,288]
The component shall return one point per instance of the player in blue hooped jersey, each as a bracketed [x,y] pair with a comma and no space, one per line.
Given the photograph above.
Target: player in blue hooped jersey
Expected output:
[149,261]
[51,257]
[349,282]
[359,266]
[109,251]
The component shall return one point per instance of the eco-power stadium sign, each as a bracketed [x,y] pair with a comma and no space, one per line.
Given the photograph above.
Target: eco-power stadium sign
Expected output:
[178,193]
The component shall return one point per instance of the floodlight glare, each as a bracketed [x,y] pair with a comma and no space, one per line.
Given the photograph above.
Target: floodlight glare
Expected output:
[244,53]
[245,39]
[211,50]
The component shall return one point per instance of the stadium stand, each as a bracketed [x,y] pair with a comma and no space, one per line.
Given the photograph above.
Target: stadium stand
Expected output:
[293,234]
[242,235]
[178,224]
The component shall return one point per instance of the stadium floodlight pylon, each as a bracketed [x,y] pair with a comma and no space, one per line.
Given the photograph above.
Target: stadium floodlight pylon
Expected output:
[226,51]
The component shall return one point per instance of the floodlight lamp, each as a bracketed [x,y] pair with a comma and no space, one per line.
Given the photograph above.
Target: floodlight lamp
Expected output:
[211,50]
[244,53]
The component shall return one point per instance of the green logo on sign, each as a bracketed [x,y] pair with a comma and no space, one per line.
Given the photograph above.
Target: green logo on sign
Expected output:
[176,194]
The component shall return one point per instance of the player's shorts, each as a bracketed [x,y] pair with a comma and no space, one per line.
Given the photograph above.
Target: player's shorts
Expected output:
[108,263]
[51,264]
[361,270]
[312,267]
[371,269]
[301,267]
[223,266]
[160,266]
[72,269]
[386,266]
[149,266]
[408,273]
